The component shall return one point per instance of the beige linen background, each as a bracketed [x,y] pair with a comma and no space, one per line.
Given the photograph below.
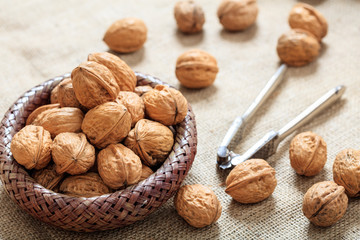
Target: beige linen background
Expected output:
[43,39]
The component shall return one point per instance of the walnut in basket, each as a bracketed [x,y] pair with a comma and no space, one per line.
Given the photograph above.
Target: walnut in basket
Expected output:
[134,104]
[189,16]
[123,74]
[39,110]
[66,95]
[196,69]
[325,203]
[126,35]
[307,153]
[94,84]
[72,153]
[54,94]
[251,181]
[198,205]
[165,105]
[59,120]
[31,147]
[107,123]
[48,177]
[140,90]
[85,185]
[150,140]
[118,166]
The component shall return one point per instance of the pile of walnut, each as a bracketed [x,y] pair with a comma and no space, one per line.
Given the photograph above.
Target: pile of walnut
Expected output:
[93,138]
[301,45]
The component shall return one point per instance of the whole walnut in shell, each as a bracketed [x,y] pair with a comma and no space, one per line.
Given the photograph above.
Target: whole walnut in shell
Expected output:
[151,141]
[145,172]
[94,84]
[198,205]
[165,105]
[48,177]
[123,74]
[85,185]
[59,120]
[251,181]
[237,15]
[307,153]
[140,90]
[196,69]
[39,110]
[72,153]
[126,35]
[31,147]
[189,16]
[325,203]
[297,47]
[118,166]
[107,123]
[308,18]
[346,171]
[66,94]
[134,104]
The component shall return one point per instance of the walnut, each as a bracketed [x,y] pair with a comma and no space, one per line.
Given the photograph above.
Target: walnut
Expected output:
[297,47]
[308,153]
[198,205]
[308,18]
[165,105]
[54,94]
[94,84]
[126,35]
[346,171]
[196,69]
[251,181]
[237,15]
[123,74]
[48,177]
[189,16]
[325,203]
[39,110]
[140,90]
[151,141]
[85,185]
[118,166]
[107,123]
[31,147]
[145,172]
[66,94]
[134,104]
[59,120]
[72,153]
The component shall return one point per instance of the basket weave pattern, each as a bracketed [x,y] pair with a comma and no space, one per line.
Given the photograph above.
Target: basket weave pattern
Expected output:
[97,213]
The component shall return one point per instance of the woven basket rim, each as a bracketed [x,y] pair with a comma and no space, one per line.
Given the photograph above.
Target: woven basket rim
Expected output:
[9,168]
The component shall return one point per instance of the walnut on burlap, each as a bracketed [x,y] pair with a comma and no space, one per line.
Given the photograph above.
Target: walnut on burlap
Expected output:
[42,39]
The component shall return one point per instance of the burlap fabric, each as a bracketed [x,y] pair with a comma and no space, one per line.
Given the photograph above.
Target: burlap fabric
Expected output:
[43,39]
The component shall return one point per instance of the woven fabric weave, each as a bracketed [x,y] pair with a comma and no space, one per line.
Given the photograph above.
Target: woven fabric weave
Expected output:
[42,39]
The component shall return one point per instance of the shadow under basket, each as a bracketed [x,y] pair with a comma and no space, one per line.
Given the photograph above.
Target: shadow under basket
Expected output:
[104,212]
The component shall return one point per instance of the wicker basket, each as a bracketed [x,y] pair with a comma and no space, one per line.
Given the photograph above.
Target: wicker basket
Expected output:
[97,213]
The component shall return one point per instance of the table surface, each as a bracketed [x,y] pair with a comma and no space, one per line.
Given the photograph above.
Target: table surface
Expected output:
[42,39]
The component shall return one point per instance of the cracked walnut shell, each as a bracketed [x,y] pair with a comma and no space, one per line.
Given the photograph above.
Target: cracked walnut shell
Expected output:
[134,104]
[31,147]
[94,84]
[197,205]
[72,153]
[151,141]
[346,171]
[237,15]
[297,47]
[196,69]
[59,120]
[251,181]
[165,105]
[126,35]
[325,203]
[307,153]
[123,74]
[85,185]
[308,18]
[48,177]
[189,16]
[107,123]
[118,166]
